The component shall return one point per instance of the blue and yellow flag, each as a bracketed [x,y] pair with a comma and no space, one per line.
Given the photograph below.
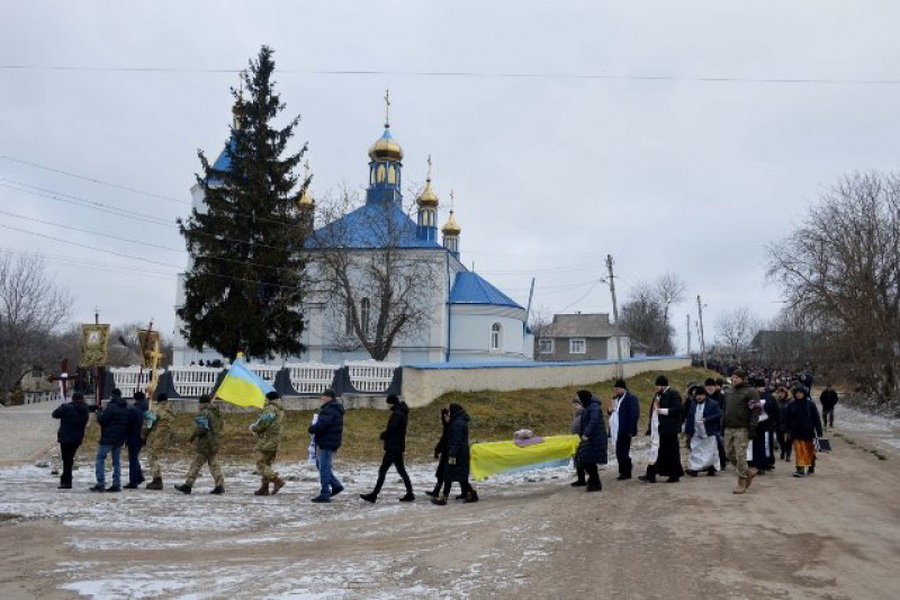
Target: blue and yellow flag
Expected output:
[243,387]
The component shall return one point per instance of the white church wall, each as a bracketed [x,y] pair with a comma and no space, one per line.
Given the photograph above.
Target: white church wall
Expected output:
[471,326]
[422,384]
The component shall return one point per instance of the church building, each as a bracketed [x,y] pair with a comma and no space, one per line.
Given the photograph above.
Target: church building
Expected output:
[434,309]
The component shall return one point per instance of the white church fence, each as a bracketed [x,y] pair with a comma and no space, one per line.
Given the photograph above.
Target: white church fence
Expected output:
[371,376]
[194,381]
[129,379]
[39,397]
[311,378]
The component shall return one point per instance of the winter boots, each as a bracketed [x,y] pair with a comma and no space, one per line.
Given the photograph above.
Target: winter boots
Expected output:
[219,489]
[741,486]
[579,483]
[277,484]
[263,489]
[408,497]
[471,496]
[799,472]
[156,484]
[184,489]
[441,500]
[370,497]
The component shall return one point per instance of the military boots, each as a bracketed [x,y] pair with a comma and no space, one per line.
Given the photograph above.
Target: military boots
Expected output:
[156,484]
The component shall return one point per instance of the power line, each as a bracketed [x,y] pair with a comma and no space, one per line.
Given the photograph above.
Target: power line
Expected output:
[94,180]
[537,75]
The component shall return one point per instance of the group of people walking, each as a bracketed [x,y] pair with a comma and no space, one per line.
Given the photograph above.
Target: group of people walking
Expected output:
[719,426]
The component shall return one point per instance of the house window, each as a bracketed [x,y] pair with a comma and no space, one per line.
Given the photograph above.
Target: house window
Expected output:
[364,310]
[495,336]
[545,345]
[577,346]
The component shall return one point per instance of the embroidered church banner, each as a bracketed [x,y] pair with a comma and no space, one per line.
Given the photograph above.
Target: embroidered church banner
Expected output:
[94,344]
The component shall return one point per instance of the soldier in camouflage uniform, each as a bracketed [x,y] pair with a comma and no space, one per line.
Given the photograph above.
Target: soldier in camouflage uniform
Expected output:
[207,429]
[268,437]
[159,437]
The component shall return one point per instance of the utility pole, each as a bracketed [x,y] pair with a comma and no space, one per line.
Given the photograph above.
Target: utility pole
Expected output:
[702,338]
[688,321]
[612,291]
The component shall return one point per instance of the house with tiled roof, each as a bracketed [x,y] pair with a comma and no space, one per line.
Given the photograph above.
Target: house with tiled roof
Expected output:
[578,336]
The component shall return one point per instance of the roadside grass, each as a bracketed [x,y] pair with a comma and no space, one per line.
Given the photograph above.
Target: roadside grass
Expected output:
[495,416]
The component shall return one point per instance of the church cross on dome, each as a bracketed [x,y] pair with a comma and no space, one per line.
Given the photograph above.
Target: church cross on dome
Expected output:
[387,109]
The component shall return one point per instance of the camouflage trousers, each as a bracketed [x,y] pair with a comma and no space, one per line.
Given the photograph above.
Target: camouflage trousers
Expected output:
[155,450]
[736,440]
[264,460]
[215,470]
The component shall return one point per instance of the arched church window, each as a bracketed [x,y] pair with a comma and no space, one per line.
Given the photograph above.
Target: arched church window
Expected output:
[348,319]
[364,311]
[496,330]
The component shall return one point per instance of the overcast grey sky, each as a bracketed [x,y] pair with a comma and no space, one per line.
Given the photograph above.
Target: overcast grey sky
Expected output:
[679,137]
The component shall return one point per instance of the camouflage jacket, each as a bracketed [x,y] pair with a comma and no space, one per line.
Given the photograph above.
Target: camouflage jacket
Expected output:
[160,432]
[207,430]
[268,427]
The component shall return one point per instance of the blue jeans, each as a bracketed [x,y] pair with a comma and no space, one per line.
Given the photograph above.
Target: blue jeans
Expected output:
[326,477]
[100,466]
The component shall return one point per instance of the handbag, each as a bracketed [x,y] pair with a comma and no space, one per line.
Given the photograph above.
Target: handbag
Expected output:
[822,444]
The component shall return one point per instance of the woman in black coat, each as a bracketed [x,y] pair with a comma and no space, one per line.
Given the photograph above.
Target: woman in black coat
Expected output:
[73,418]
[457,456]
[592,449]
[440,453]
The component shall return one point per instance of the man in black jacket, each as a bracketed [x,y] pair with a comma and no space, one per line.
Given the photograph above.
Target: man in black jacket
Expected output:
[73,418]
[828,399]
[329,432]
[394,437]
[669,409]
[113,420]
[134,441]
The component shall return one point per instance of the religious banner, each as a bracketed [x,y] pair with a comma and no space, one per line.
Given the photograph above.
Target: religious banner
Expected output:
[94,342]
[149,341]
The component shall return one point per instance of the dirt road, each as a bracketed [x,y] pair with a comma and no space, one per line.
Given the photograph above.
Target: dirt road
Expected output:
[834,535]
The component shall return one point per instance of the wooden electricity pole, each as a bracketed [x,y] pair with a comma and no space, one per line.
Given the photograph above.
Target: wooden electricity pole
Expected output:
[702,338]
[612,291]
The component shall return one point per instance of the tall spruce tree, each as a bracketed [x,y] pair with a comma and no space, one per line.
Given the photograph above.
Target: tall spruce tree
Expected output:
[243,291]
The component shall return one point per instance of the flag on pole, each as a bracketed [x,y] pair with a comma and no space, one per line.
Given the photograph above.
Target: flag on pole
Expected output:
[243,387]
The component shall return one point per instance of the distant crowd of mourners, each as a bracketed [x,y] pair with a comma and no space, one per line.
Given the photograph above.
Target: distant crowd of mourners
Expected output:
[741,421]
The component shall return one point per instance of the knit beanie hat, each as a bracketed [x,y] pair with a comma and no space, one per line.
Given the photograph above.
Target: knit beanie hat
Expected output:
[662,380]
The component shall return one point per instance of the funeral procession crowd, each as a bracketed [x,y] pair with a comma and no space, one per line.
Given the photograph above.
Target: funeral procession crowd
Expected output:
[741,422]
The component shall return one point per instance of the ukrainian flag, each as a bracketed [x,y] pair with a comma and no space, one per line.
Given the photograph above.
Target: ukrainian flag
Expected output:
[243,387]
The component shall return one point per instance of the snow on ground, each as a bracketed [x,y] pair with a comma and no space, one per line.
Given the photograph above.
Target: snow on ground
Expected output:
[155,525]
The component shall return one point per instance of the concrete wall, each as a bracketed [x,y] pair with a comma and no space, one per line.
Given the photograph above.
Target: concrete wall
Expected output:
[422,384]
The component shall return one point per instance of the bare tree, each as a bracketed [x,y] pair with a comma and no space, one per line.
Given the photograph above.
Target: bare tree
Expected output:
[735,330]
[840,269]
[669,291]
[32,307]
[379,288]
[643,318]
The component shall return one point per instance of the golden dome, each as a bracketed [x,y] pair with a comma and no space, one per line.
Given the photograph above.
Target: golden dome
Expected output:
[305,199]
[427,197]
[385,148]
[450,227]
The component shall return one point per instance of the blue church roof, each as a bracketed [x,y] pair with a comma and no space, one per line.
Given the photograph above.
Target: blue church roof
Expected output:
[471,288]
[372,225]
[223,163]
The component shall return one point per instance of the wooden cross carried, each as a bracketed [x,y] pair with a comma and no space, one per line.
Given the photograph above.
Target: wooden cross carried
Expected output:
[63,378]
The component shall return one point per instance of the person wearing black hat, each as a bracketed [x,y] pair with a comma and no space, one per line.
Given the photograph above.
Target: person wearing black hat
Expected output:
[714,393]
[207,430]
[159,437]
[668,408]
[267,429]
[457,457]
[73,418]
[329,432]
[394,437]
[741,418]
[623,422]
